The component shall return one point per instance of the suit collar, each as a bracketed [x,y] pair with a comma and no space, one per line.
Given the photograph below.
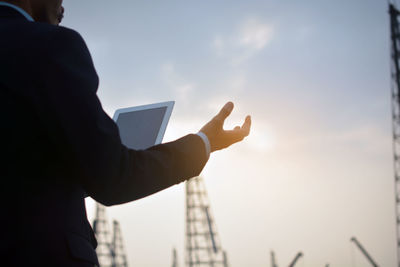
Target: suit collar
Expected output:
[12,13]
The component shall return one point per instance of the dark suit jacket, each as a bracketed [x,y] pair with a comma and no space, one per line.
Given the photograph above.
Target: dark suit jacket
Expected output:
[57,143]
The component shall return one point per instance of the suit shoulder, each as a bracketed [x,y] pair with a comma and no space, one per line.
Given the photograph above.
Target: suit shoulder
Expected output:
[57,41]
[54,33]
[63,32]
[38,35]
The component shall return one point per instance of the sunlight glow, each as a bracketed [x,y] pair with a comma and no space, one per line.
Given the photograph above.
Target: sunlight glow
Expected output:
[261,139]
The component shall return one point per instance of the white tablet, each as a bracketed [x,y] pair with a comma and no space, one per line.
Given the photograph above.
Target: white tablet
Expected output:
[143,126]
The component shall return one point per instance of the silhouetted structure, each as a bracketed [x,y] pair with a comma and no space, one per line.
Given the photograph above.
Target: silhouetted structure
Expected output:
[203,248]
[296,258]
[273,260]
[292,264]
[395,84]
[117,247]
[110,250]
[174,258]
[225,259]
[366,254]
[102,231]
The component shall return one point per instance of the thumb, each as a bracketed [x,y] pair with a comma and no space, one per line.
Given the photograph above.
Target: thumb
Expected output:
[225,111]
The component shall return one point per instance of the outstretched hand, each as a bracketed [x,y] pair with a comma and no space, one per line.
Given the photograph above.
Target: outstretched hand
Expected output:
[220,138]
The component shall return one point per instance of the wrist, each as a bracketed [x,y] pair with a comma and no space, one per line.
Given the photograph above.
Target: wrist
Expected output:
[206,141]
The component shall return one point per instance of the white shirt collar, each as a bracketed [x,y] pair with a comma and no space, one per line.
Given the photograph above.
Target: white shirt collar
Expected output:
[17,8]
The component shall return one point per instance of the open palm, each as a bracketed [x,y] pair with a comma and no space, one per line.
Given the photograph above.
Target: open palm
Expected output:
[220,138]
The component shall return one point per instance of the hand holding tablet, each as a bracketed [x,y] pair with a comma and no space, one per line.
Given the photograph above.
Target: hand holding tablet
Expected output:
[144,126]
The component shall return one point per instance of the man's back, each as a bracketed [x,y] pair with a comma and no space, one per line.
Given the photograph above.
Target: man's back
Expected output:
[58,145]
[43,203]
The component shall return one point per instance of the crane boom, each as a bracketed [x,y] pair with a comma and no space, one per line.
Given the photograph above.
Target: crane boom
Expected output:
[366,254]
[395,87]
[298,256]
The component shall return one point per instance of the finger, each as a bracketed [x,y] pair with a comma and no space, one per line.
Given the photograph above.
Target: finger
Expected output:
[234,136]
[225,111]
[238,133]
[246,126]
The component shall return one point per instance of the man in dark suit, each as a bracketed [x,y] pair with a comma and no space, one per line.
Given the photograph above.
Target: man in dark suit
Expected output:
[58,144]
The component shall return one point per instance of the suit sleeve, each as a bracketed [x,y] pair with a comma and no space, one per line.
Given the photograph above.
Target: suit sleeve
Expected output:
[89,139]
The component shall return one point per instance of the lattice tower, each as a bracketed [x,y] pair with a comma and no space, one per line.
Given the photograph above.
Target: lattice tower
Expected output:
[102,232]
[117,247]
[174,258]
[395,84]
[203,247]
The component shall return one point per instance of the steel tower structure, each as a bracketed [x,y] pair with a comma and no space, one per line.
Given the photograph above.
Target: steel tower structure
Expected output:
[203,248]
[174,258]
[110,250]
[103,236]
[395,87]
[273,260]
[117,247]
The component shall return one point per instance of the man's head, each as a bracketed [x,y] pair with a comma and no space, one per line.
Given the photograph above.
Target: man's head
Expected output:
[48,11]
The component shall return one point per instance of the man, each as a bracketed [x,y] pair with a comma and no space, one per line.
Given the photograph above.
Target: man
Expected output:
[58,144]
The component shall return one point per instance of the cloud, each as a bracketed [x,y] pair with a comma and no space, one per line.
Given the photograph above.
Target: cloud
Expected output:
[262,139]
[181,88]
[255,35]
[251,37]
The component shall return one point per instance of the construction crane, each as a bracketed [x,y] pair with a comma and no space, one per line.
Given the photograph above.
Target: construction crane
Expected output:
[203,248]
[395,87]
[296,258]
[362,249]
[294,261]
[110,250]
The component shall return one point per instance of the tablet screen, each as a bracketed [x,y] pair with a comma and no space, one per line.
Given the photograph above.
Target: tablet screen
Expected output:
[143,126]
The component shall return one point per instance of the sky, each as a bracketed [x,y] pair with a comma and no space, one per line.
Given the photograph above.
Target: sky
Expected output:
[314,75]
